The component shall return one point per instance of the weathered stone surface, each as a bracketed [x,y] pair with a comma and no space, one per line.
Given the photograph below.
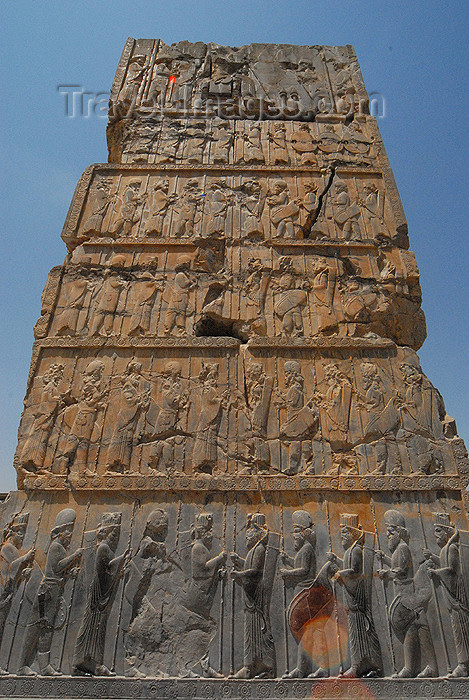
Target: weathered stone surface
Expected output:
[232,469]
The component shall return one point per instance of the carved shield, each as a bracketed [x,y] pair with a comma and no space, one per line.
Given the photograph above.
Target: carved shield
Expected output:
[288,211]
[343,216]
[312,603]
[289,300]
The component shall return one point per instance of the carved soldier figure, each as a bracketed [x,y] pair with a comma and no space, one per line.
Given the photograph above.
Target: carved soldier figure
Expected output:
[81,420]
[128,422]
[205,450]
[187,209]
[254,291]
[252,207]
[89,649]
[206,571]
[173,401]
[168,143]
[422,411]
[159,202]
[149,559]
[356,578]
[336,404]
[302,142]
[380,416]
[252,143]
[73,302]
[290,302]
[407,612]
[146,292]
[373,208]
[356,144]
[129,214]
[179,307]
[347,214]
[278,147]
[323,289]
[222,141]
[195,142]
[259,394]
[14,567]
[45,412]
[217,209]
[301,423]
[108,299]
[255,574]
[301,575]
[134,78]
[283,210]
[100,201]
[451,570]
[48,599]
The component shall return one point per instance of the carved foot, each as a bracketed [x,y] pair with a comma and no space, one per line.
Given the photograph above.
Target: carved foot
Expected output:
[461,671]
[103,671]
[428,672]
[135,673]
[319,673]
[295,673]
[18,673]
[351,673]
[243,673]
[49,671]
[403,673]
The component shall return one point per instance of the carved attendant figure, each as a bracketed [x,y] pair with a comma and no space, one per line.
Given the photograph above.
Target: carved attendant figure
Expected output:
[451,571]
[205,451]
[106,304]
[100,202]
[407,610]
[255,575]
[145,296]
[179,306]
[206,571]
[129,214]
[356,578]
[40,629]
[89,648]
[33,453]
[14,567]
[158,206]
[283,210]
[301,576]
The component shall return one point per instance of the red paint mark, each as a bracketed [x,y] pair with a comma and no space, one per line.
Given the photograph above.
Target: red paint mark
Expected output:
[172,78]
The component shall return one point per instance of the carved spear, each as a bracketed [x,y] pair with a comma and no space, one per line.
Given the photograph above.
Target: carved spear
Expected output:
[438,614]
[25,581]
[222,573]
[233,590]
[284,587]
[394,667]
[69,609]
[334,591]
[118,632]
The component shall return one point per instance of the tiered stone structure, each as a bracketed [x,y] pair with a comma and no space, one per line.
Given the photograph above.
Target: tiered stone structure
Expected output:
[231,467]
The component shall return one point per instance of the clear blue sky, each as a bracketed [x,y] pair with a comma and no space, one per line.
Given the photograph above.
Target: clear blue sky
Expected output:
[413,53]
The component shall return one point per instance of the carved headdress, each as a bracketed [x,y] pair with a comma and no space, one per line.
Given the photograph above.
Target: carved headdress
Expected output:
[442,520]
[64,519]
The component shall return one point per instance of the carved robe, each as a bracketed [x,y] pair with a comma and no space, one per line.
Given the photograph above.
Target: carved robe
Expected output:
[91,640]
[258,641]
[454,579]
[363,640]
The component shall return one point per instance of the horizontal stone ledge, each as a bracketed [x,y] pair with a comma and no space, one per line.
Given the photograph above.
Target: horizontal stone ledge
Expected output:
[216,342]
[328,688]
[242,483]
[180,167]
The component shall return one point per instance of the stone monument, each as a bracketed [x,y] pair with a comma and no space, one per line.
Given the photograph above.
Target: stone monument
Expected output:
[234,478]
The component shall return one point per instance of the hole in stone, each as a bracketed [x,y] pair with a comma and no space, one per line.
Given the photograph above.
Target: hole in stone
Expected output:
[210,327]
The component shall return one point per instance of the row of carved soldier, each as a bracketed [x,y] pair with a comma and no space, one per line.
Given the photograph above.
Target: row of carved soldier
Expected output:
[222,142]
[257,301]
[315,604]
[67,428]
[340,215]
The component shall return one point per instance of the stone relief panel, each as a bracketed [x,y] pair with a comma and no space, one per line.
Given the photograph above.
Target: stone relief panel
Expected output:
[278,144]
[331,206]
[237,587]
[258,80]
[238,291]
[189,412]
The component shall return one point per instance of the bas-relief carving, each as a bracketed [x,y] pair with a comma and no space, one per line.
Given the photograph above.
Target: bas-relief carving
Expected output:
[48,602]
[151,570]
[308,417]
[293,254]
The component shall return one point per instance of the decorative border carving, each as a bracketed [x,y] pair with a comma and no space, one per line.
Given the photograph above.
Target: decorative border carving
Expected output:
[241,483]
[120,687]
